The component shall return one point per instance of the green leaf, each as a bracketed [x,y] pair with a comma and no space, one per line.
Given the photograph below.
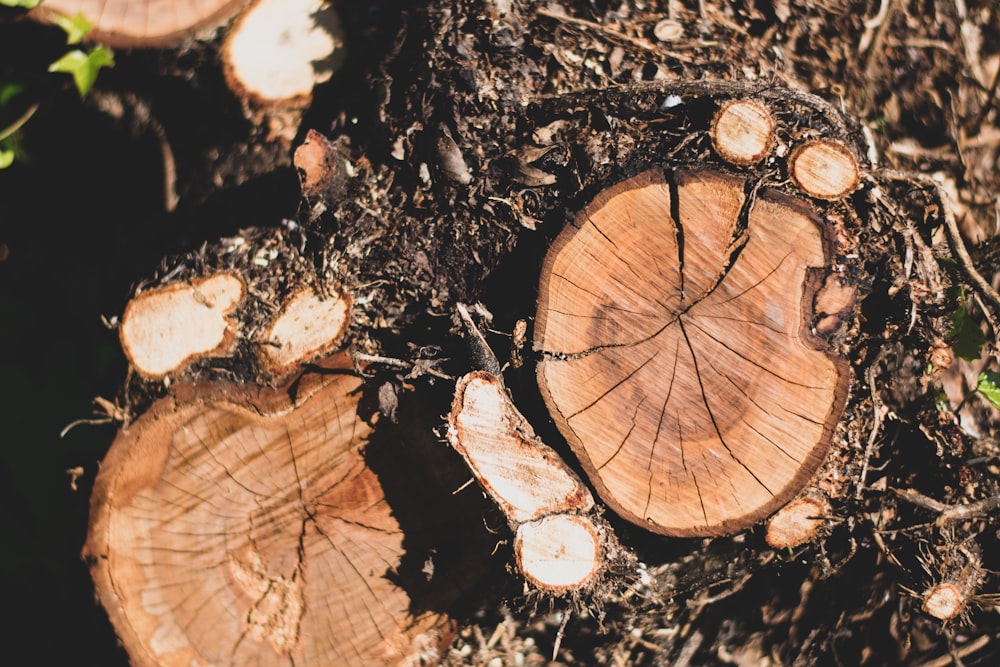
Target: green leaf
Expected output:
[6,154]
[9,91]
[989,387]
[27,4]
[967,338]
[76,28]
[84,66]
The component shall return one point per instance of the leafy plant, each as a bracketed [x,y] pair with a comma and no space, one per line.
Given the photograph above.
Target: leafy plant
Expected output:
[989,387]
[82,65]
[966,336]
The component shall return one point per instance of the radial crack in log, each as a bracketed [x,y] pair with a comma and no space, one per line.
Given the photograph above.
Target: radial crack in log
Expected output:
[167,328]
[560,545]
[143,22]
[677,356]
[238,525]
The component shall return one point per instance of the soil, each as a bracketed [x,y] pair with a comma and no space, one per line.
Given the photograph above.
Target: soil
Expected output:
[473,131]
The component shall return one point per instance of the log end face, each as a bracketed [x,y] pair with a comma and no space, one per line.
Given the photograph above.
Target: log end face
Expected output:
[559,553]
[824,169]
[743,132]
[277,51]
[722,408]
[164,330]
[307,327]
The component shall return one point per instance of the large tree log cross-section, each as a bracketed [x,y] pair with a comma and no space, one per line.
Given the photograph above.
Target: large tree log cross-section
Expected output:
[674,319]
[243,526]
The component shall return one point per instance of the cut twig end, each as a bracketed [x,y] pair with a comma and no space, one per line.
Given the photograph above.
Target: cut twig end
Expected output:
[277,50]
[559,553]
[307,327]
[796,523]
[743,132]
[164,330]
[824,169]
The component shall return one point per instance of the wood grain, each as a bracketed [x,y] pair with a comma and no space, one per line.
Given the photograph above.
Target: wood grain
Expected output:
[677,356]
[243,526]
[144,22]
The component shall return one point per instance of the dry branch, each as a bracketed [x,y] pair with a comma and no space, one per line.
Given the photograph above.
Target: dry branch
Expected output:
[559,544]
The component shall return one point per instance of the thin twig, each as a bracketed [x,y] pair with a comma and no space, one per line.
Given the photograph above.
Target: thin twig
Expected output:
[948,513]
[946,660]
[880,411]
[612,34]
[957,245]
[988,104]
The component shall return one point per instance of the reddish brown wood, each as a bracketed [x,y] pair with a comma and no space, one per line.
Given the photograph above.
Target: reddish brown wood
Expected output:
[677,356]
[241,526]
[144,22]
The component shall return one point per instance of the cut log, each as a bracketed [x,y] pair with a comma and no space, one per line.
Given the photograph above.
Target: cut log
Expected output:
[238,525]
[824,169]
[796,523]
[308,326]
[559,552]
[742,132]
[677,356]
[559,546]
[278,50]
[143,22]
[163,330]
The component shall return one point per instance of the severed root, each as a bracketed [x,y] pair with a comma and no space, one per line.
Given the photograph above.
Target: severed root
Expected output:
[307,327]
[166,329]
[560,543]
